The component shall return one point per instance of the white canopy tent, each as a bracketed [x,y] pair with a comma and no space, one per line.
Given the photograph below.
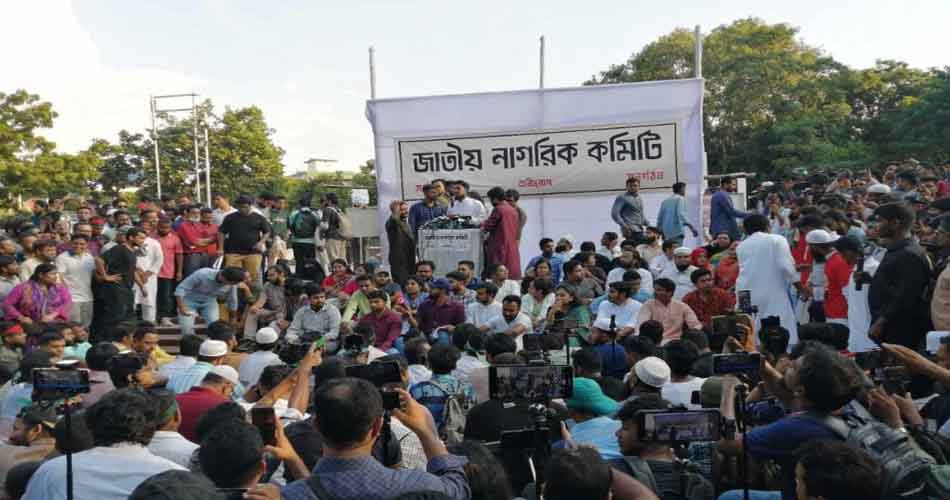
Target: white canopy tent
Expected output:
[572,210]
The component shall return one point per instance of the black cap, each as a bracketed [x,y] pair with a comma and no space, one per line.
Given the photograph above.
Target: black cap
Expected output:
[847,242]
[244,200]
[899,211]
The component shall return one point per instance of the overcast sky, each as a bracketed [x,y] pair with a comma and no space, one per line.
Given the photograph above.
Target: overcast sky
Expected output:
[305,63]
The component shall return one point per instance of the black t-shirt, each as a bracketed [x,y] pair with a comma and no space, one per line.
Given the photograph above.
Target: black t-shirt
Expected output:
[120,260]
[243,232]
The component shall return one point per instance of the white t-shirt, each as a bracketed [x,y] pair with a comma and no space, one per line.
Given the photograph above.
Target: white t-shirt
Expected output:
[681,393]
[625,314]
[172,446]
[253,365]
[469,207]
[76,273]
[103,473]
[480,314]
[218,215]
[501,325]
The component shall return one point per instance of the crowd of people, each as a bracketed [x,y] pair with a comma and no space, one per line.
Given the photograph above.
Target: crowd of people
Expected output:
[830,285]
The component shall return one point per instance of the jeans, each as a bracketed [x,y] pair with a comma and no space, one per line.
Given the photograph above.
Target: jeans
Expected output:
[207,310]
[302,253]
[165,300]
[753,495]
[193,262]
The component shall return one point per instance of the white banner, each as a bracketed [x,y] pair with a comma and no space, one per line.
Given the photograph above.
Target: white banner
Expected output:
[589,160]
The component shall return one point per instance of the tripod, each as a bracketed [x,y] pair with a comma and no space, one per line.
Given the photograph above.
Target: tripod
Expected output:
[741,427]
[542,445]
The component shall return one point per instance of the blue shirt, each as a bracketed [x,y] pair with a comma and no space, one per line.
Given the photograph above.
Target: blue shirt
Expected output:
[366,479]
[601,433]
[419,214]
[557,266]
[723,215]
[779,441]
[202,287]
[672,217]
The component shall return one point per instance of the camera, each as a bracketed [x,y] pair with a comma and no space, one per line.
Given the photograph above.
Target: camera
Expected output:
[894,379]
[764,411]
[736,363]
[62,382]
[679,426]
[291,352]
[380,374]
[530,382]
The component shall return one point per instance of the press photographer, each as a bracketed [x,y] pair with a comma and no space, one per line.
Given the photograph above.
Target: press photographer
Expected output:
[652,461]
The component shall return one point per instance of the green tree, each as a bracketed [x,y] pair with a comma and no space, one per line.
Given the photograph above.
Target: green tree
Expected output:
[243,155]
[122,164]
[769,96]
[923,125]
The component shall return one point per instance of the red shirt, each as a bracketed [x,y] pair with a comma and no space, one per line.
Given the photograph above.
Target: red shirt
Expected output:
[716,303]
[387,326]
[171,246]
[193,404]
[191,232]
[802,256]
[837,275]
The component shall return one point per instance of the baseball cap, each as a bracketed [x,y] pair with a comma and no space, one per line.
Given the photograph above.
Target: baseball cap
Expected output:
[244,200]
[589,396]
[879,189]
[652,371]
[213,349]
[710,392]
[820,237]
[266,335]
[682,252]
[227,373]
[440,283]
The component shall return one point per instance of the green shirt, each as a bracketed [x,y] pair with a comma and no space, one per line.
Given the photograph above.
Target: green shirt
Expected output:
[357,304]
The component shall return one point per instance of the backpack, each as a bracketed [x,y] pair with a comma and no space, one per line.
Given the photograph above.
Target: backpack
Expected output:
[693,486]
[452,426]
[304,224]
[907,471]
[346,227]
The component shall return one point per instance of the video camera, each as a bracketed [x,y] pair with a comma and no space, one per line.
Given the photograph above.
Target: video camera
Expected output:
[737,363]
[679,426]
[380,374]
[353,345]
[534,383]
[62,382]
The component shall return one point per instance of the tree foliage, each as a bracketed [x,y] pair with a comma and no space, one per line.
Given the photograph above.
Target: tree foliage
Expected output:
[774,103]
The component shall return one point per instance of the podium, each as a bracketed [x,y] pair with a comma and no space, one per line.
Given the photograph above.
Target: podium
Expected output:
[446,247]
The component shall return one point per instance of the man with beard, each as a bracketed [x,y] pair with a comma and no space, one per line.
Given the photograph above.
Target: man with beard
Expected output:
[899,311]
[512,321]
[319,317]
[402,244]
[547,253]
[31,438]
[681,272]
[113,296]
[627,211]
[149,264]
[438,311]
[652,246]
[819,244]
[940,304]
[766,270]
[465,206]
